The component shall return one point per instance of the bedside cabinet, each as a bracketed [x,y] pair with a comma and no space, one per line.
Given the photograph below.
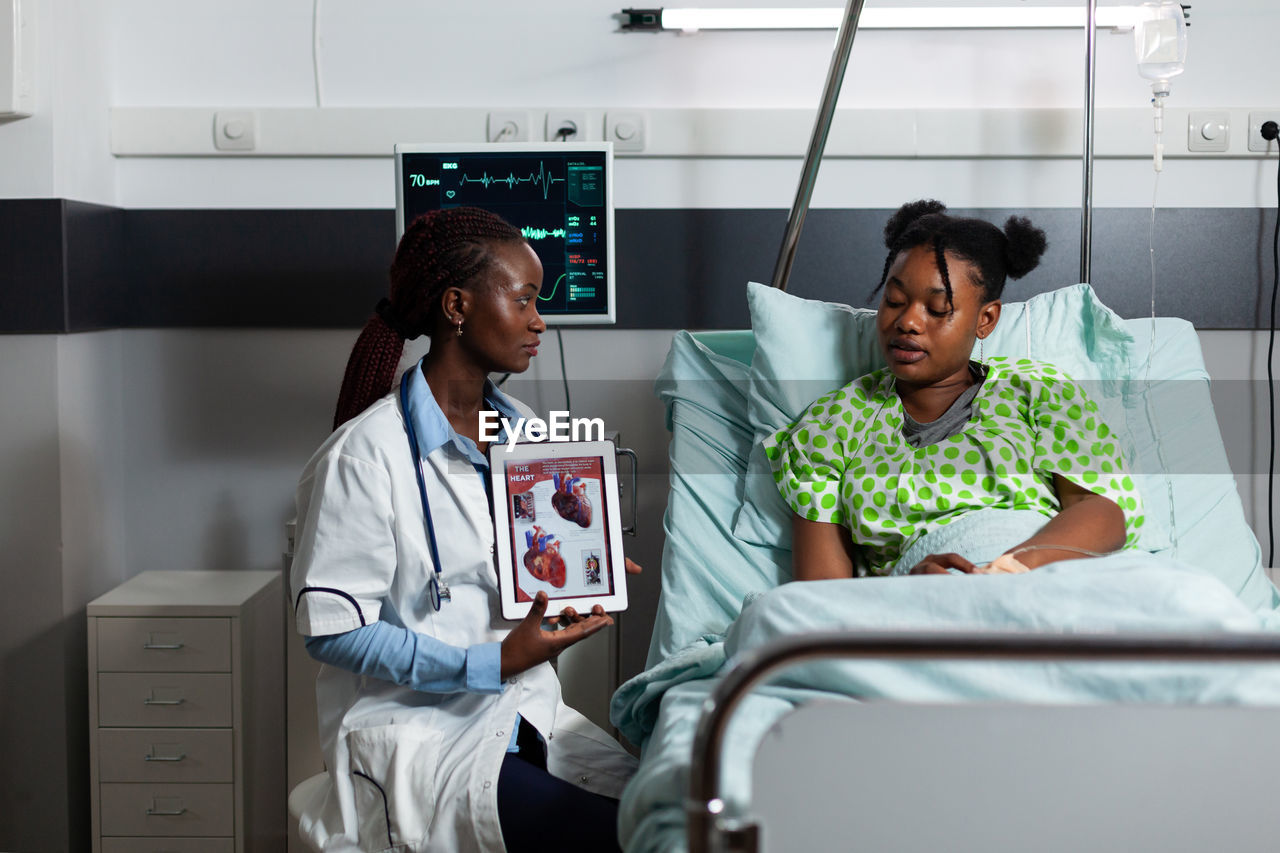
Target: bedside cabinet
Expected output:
[186,714]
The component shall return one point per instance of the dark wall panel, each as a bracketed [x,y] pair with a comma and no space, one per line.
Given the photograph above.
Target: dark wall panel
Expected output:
[68,266]
[31,270]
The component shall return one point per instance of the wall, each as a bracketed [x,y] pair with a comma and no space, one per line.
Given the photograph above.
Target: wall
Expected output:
[139,449]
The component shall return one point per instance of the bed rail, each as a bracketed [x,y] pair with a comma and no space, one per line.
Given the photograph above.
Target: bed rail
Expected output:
[710,830]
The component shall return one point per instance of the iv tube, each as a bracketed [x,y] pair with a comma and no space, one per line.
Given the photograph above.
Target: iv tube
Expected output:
[1160,43]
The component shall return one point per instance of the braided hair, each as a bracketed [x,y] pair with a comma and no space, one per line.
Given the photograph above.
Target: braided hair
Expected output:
[439,250]
[995,254]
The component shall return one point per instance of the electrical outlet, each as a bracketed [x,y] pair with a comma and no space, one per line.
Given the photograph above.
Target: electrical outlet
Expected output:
[627,131]
[1256,120]
[508,126]
[561,120]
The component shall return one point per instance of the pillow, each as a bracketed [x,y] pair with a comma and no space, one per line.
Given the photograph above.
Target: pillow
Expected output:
[805,348]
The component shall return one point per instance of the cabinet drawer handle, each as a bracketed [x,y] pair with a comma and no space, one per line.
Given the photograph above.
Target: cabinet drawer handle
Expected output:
[163,645]
[150,701]
[180,757]
[167,812]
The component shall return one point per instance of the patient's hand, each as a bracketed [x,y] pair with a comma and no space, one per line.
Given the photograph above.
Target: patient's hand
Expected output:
[937,564]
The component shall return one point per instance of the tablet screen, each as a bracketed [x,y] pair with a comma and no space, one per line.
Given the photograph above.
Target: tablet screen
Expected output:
[560,527]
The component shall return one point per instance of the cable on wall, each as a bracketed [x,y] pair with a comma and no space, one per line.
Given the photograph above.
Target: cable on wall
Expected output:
[315,52]
[1270,131]
[564,374]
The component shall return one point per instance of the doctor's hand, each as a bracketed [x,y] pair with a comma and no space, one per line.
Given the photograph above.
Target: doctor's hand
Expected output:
[632,567]
[528,645]
[938,564]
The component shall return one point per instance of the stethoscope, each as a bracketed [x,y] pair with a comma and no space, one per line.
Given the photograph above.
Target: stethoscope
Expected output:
[437,590]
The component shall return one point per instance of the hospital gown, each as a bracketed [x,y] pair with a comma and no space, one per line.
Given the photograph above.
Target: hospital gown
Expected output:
[846,461]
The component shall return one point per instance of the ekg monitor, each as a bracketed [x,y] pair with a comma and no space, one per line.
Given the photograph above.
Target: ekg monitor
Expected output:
[560,195]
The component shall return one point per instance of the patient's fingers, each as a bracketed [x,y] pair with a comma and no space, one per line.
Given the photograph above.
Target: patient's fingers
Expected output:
[955,561]
[939,564]
[632,567]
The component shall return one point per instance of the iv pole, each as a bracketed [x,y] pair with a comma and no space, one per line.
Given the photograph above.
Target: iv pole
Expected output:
[817,142]
[1090,98]
[826,111]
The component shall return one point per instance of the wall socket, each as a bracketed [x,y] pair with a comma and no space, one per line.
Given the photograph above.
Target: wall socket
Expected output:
[558,119]
[1256,120]
[508,126]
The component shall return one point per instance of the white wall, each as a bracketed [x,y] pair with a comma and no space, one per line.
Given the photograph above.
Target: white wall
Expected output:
[140,449]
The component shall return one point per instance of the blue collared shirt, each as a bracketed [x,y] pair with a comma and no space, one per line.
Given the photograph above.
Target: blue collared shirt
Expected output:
[397,654]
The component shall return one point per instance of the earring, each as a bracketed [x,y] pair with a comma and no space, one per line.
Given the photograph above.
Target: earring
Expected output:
[457,331]
[980,342]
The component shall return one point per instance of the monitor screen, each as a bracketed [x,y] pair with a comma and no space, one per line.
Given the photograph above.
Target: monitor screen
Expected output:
[560,195]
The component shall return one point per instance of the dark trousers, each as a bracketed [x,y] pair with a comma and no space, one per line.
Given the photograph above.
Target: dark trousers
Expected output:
[537,811]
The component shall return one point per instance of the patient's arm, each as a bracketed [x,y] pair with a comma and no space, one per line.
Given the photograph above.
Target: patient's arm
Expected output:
[1086,520]
[820,550]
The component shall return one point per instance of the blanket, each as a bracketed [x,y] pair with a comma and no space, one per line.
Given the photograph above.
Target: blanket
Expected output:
[1125,593]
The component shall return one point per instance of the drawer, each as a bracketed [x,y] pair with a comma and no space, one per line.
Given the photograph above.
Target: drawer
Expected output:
[169,810]
[164,645]
[165,755]
[168,845]
[149,700]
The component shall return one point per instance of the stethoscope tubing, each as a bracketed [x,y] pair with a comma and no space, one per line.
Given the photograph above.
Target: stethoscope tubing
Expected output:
[436,590]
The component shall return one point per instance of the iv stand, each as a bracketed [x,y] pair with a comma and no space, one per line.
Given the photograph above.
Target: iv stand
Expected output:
[1090,98]
[826,111]
[817,142]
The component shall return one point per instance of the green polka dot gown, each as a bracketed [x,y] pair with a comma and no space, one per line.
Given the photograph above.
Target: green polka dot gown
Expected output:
[846,461]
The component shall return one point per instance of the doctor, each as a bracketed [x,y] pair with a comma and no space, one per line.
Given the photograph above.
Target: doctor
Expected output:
[441,723]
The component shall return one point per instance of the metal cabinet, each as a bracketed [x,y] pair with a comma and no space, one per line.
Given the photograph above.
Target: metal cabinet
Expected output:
[186,713]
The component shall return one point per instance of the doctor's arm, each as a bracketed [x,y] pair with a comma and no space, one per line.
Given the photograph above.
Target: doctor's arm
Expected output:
[396,654]
[421,662]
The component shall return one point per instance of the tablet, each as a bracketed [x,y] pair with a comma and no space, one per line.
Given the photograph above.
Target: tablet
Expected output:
[558,528]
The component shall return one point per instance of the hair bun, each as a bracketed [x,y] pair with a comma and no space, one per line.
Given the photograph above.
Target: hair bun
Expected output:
[1026,244]
[907,214]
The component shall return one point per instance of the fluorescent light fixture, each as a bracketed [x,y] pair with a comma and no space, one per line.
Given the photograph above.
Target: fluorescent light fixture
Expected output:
[921,17]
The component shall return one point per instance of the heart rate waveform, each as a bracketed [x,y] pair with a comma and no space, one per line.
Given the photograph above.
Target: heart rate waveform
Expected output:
[543,179]
[531,233]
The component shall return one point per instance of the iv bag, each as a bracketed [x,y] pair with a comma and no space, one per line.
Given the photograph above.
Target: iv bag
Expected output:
[1160,42]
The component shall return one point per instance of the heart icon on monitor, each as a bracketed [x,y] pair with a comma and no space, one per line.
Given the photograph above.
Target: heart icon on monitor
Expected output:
[450,193]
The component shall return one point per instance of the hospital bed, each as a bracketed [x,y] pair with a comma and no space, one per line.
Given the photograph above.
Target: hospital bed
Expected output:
[1124,703]
[856,770]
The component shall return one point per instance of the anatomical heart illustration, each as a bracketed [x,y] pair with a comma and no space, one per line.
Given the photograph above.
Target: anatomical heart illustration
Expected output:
[542,558]
[570,500]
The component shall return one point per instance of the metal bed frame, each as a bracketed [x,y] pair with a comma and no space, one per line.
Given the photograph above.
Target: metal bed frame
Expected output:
[709,828]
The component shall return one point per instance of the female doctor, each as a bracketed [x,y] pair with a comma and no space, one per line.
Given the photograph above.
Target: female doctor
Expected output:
[441,723]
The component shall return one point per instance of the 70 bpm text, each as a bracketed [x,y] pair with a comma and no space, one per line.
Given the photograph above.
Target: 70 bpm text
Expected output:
[423,181]
[559,427]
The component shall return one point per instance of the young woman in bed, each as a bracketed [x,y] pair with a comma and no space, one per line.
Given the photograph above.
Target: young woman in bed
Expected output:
[441,723]
[871,468]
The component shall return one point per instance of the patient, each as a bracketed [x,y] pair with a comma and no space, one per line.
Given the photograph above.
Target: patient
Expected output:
[871,468]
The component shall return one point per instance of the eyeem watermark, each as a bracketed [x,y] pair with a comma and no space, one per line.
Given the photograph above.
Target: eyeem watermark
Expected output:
[560,427]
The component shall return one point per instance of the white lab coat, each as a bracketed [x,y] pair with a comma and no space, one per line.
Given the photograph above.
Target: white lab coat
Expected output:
[415,771]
